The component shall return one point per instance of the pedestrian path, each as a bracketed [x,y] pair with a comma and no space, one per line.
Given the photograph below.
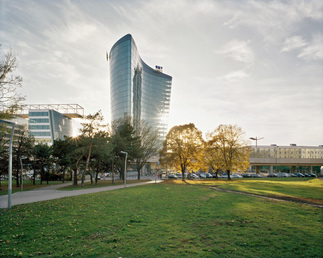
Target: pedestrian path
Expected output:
[51,192]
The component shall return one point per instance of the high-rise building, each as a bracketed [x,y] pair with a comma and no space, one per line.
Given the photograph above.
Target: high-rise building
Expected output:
[51,122]
[138,91]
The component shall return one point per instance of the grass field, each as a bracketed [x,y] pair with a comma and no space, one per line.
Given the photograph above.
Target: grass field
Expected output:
[164,220]
[305,189]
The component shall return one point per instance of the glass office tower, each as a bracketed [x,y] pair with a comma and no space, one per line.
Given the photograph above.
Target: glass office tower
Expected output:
[48,125]
[138,91]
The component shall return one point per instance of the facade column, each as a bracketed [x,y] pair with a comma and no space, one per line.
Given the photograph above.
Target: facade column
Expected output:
[311,169]
[271,169]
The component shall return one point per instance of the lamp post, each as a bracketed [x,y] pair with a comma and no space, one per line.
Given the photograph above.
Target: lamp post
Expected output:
[125,168]
[22,170]
[256,139]
[10,161]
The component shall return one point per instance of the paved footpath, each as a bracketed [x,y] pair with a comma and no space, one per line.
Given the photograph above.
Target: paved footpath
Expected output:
[51,192]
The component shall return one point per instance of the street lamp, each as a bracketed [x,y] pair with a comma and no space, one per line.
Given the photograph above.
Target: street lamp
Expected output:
[125,168]
[256,139]
[10,161]
[22,170]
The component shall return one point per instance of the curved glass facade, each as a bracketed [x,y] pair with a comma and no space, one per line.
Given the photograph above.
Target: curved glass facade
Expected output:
[137,90]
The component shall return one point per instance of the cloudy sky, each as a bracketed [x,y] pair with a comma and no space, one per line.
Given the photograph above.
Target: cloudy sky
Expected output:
[257,64]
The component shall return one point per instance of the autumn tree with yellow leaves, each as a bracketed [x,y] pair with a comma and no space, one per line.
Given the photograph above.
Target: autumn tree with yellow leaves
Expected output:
[227,149]
[182,148]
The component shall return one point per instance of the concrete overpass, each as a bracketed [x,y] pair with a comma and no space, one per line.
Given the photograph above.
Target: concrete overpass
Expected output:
[292,162]
[293,156]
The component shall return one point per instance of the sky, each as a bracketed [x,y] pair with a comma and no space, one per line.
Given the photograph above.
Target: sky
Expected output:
[254,64]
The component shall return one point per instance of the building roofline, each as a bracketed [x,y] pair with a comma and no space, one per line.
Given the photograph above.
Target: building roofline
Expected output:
[69,110]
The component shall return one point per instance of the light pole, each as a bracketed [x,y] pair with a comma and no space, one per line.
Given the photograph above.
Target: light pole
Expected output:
[125,168]
[10,161]
[22,170]
[256,139]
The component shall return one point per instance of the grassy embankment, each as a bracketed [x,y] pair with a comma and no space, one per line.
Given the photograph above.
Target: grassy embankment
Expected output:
[302,189]
[164,220]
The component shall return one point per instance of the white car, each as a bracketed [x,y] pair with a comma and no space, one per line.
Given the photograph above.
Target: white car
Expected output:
[236,176]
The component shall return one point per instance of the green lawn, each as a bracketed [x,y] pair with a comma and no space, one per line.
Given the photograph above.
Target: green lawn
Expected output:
[301,188]
[164,220]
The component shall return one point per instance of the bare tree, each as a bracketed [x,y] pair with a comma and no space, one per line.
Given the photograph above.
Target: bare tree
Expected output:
[9,97]
[149,145]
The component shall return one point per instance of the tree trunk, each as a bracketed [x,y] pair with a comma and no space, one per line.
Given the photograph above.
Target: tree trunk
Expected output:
[139,172]
[183,175]
[83,177]
[91,177]
[217,173]
[34,176]
[75,177]
[47,175]
[87,165]
[17,171]
[112,171]
[41,175]
[76,170]
[228,172]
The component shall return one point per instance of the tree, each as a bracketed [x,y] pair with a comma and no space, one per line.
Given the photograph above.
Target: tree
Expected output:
[124,139]
[62,153]
[149,145]
[230,148]
[92,127]
[23,148]
[101,153]
[9,97]
[182,148]
[42,154]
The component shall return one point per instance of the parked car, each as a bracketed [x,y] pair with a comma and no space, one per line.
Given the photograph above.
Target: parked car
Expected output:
[246,175]
[272,175]
[236,176]
[208,175]
[312,175]
[172,176]
[299,174]
[283,175]
[202,175]
[192,176]
[255,175]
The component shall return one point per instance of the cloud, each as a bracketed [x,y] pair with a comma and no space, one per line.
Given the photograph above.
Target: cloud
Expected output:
[314,50]
[234,76]
[274,19]
[308,50]
[239,51]
[293,43]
